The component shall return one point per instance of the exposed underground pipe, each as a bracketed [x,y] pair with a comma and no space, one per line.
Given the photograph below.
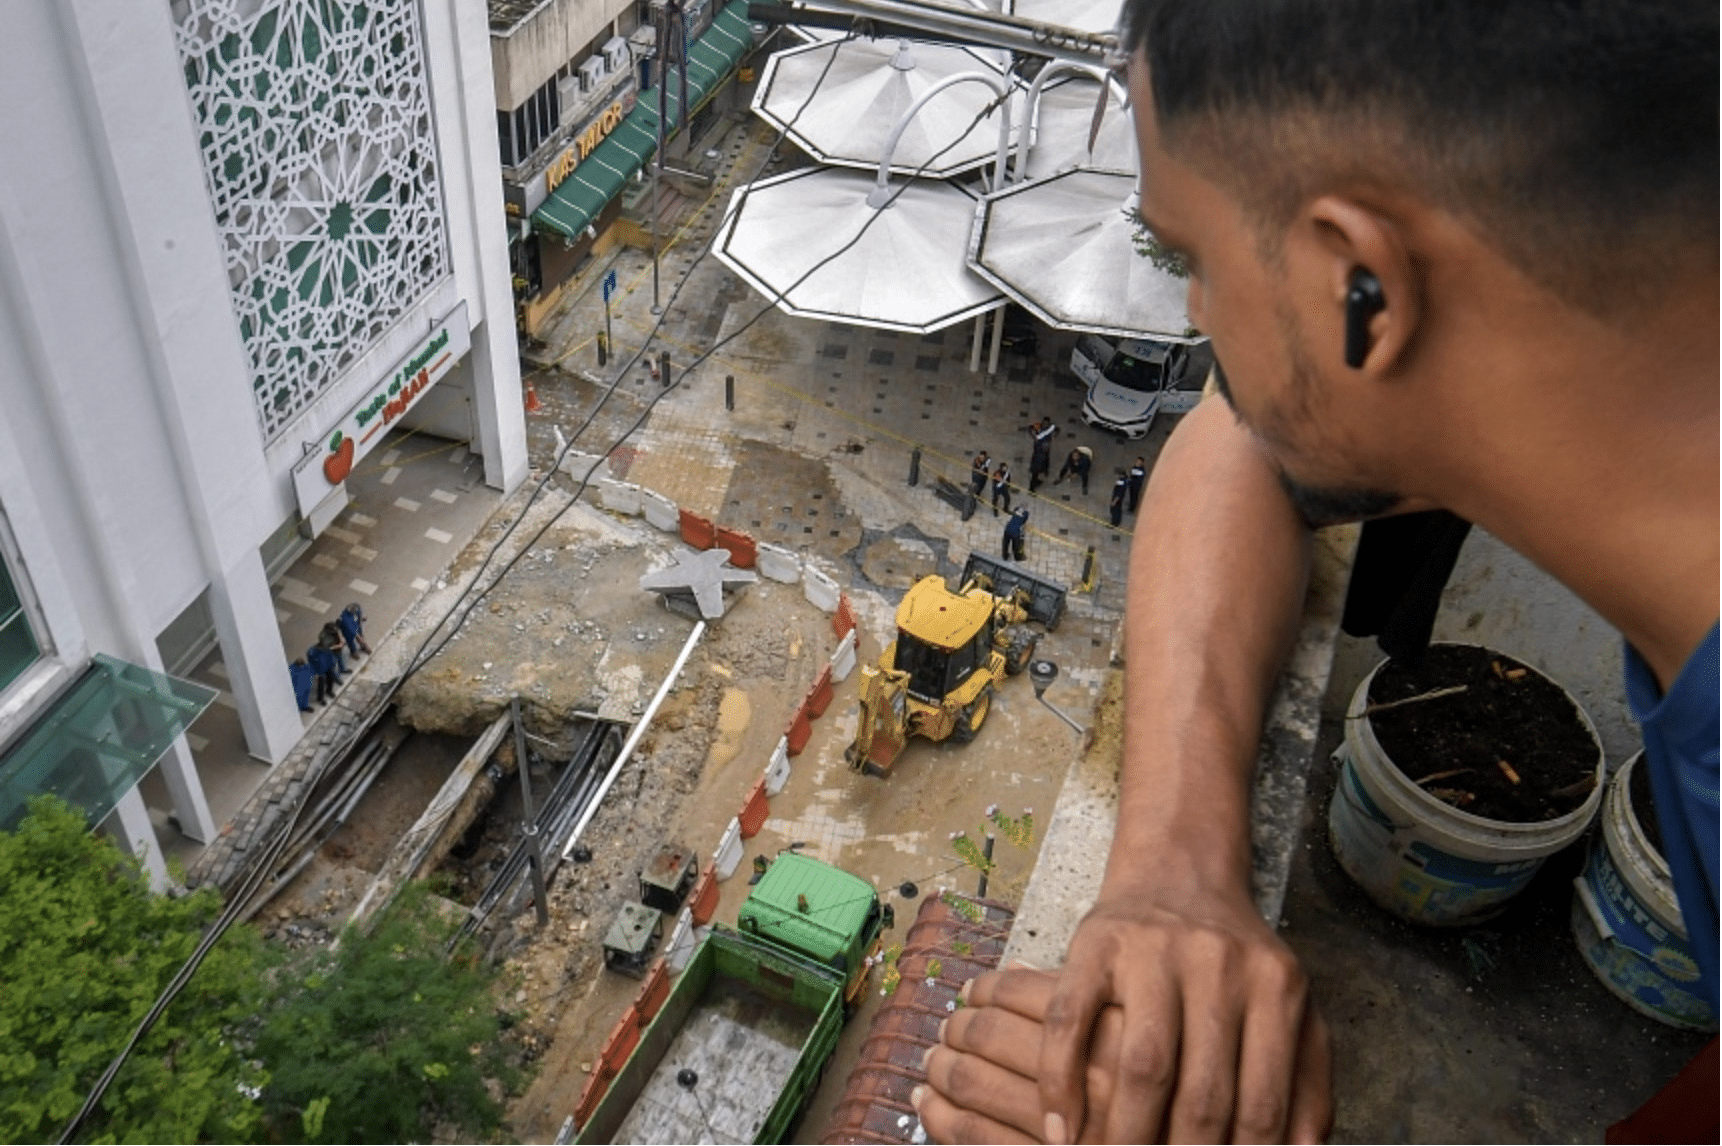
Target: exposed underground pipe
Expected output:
[412,848]
[640,727]
[316,838]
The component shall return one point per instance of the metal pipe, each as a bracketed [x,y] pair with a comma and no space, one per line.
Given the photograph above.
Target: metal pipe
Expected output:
[975,26]
[640,727]
[528,822]
[368,775]
[661,56]
[1059,712]
[1031,115]
[880,196]
[998,338]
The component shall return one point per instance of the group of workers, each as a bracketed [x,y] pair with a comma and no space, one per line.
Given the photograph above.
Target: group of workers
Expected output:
[1126,488]
[325,663]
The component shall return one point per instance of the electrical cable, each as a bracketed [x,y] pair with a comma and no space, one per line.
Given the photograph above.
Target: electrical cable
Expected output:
[259,869]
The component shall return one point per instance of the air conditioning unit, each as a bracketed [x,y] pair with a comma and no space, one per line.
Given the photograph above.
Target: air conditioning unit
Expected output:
[616,56]
[569,95]
[591,74]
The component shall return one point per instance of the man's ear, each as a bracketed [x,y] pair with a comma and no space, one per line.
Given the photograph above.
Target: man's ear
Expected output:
[1350,238]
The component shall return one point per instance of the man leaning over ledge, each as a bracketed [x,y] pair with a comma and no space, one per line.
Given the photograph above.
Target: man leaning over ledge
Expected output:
[1420,235]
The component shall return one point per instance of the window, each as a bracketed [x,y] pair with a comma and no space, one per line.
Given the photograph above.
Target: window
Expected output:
[18,647]
[529,125]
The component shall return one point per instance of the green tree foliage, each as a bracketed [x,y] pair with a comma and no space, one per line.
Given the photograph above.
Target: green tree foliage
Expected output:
[383,1039]
[85,949]
[1155,251]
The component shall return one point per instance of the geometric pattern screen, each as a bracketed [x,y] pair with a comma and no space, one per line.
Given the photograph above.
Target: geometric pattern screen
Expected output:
[314,121]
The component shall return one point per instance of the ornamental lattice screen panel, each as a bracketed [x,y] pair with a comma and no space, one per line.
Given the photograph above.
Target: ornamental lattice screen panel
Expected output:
[314,121]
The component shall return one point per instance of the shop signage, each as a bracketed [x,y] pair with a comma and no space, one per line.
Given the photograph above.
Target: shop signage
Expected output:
[324,468]
[584,144]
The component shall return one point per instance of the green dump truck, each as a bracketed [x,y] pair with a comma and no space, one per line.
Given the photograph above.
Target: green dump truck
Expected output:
[743,1037]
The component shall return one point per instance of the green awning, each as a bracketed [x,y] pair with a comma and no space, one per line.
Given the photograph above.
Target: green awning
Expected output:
[99,739]
[599,177]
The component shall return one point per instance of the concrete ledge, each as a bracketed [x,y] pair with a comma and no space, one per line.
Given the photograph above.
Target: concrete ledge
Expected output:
[1067,876]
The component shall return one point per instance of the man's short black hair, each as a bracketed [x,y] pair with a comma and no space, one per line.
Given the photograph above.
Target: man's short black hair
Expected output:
[1579,137]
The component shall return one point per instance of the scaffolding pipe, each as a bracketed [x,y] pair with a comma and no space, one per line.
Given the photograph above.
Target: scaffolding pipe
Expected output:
[640,727]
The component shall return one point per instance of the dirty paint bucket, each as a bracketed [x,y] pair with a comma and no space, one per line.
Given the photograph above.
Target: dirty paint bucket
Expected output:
[1425,860]
[1627,921]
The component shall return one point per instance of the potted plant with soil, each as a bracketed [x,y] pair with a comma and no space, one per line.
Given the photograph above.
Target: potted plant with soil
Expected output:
[1460,774]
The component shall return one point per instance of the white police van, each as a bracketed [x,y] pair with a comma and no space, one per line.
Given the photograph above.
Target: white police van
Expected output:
[1130,380]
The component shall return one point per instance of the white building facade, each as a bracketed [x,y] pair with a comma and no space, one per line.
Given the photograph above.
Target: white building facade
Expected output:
[236,237]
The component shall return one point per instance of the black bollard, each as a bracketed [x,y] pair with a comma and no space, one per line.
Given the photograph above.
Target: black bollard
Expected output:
[915,466]
[603,349]
[729,391]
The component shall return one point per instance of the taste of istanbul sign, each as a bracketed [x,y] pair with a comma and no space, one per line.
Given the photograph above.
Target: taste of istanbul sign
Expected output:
[323,469]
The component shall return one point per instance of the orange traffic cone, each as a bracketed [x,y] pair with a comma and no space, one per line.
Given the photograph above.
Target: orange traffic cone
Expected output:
[532,402]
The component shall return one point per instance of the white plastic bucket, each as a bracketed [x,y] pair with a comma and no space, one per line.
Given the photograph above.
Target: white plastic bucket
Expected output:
[1425,860]
[1627,920]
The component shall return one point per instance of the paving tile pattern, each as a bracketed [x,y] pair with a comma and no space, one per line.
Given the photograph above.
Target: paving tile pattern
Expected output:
[860,398]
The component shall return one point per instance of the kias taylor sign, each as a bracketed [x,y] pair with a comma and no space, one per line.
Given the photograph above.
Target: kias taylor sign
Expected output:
[584,144]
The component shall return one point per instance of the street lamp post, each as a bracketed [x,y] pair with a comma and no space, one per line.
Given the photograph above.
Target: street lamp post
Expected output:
[1041,674]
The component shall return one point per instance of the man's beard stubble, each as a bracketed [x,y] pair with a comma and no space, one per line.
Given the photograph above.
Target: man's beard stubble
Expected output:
[1319,505]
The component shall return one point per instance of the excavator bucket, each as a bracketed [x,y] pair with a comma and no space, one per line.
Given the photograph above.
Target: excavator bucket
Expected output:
[883,727]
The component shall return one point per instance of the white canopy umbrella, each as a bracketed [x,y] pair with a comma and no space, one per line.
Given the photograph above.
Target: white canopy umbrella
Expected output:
[1059,118]
[906,272]
[869,86]
[1063,247]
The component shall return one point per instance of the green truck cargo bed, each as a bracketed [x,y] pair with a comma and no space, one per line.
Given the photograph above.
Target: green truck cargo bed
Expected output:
[753,1023]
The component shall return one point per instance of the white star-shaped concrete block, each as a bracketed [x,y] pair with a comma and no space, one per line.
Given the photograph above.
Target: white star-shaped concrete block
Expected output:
[704,575]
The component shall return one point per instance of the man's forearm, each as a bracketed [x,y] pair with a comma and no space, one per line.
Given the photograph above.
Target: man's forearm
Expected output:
[1217,577]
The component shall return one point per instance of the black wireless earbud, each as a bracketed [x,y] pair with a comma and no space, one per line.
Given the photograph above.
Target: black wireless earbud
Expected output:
[1363,301]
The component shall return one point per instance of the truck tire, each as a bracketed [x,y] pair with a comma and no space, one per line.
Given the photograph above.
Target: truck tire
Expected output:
[1020,651]
[973,714]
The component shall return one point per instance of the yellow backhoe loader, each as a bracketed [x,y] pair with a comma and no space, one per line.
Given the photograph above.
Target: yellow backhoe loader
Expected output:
[936,680]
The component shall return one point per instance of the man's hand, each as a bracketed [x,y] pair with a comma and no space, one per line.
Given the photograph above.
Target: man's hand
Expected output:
[984,1077]
[1218,1041]
[982,1073]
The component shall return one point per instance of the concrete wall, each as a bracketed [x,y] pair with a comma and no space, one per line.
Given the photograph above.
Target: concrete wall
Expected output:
[526,57]
[133,471]
[446,409]
[135,434]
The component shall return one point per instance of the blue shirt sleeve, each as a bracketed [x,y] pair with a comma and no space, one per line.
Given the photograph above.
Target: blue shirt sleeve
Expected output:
[1681,734]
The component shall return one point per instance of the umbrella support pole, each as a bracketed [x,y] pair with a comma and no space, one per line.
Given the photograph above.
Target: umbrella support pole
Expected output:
[998,340]
[975,349]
